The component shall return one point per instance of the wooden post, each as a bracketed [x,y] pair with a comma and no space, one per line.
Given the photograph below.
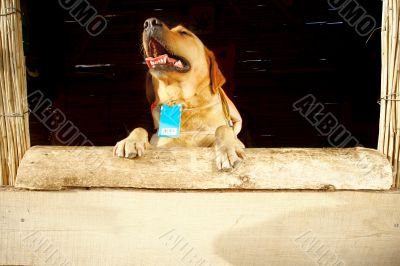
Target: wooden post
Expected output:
[49,167]
[14,124]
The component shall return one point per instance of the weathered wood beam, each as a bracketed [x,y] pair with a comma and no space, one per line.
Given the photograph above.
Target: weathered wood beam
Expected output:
[49,167]
[134,227]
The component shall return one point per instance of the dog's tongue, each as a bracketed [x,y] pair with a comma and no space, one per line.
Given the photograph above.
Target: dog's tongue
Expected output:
[163,60]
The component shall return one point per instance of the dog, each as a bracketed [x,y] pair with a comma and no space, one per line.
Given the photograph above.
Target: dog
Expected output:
[182,71]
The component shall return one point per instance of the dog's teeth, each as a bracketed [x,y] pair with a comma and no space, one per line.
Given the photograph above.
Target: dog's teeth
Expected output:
[178,64]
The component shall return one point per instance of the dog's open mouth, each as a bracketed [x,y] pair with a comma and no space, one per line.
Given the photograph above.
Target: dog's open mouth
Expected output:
[160,59]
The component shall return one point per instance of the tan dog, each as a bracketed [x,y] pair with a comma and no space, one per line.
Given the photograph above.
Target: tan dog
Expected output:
[183,71]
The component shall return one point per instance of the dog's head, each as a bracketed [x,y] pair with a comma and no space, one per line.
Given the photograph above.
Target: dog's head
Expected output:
[178,55]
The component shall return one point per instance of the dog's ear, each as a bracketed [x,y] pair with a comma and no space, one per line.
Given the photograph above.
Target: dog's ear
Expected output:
[217,79]
[150,89]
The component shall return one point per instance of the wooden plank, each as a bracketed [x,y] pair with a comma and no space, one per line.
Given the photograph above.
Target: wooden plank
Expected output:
[49,167]
[134,227]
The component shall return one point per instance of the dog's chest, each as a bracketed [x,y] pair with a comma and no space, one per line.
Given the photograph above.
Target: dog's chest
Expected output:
[208,119]
[197,129]
[185,140]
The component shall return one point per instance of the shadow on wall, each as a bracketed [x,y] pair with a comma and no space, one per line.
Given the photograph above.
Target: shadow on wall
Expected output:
[320,236]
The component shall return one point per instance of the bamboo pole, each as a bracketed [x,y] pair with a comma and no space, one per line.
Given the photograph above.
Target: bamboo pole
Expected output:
[14,124]
[389,135]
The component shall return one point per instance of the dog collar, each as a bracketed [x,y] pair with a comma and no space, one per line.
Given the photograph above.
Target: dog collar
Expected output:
[222,100]
[202,107]
[155,104]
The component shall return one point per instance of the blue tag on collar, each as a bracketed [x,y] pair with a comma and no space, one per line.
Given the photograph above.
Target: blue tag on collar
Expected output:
[170,121]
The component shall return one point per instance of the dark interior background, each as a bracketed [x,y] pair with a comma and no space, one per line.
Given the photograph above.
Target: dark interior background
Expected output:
[273,52]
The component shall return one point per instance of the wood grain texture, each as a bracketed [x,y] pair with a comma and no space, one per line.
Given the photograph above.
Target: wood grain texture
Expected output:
[136,227]
[49,167]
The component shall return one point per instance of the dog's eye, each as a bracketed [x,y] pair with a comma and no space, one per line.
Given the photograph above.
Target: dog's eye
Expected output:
[182,32]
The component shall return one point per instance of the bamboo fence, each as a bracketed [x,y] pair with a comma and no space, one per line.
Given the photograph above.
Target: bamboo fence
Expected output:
[14,123]
[389,135]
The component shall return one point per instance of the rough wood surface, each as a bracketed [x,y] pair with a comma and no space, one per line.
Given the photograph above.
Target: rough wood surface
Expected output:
[134,227]
[49,167]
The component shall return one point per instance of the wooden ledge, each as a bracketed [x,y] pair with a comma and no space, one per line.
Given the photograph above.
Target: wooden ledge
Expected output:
[129,227]
[54,168]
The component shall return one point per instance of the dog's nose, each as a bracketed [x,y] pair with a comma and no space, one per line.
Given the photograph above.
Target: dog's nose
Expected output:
[152,23]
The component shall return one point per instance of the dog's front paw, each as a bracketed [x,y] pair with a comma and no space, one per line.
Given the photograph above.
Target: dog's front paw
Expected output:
[229,150]
[228,157]
[133,146]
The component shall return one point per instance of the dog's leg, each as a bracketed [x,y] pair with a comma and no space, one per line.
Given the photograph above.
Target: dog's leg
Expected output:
[229,150]
[134,145]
